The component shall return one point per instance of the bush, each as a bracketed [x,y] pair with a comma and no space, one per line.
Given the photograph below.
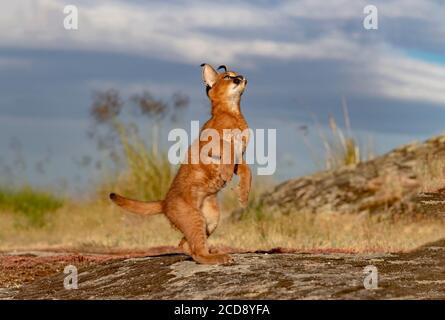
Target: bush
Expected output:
[33,205]
[341,147]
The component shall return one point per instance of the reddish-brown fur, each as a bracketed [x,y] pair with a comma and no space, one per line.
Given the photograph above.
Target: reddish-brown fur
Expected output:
[191,203]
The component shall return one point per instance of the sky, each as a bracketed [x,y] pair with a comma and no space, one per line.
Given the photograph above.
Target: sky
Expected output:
[302,59]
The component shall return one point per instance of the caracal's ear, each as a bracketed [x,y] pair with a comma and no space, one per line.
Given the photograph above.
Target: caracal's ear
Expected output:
[209,75]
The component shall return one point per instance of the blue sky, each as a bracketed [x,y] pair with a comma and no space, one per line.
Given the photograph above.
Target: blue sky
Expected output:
[301,58]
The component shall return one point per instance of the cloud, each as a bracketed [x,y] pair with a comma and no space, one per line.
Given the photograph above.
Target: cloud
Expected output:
[187,32]
[242,33]
[411,79]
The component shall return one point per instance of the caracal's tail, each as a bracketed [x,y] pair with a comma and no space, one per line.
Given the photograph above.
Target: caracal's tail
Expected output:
[135,206]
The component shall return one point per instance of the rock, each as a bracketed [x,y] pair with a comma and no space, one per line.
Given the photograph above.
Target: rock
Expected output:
[419,274]
[393,183]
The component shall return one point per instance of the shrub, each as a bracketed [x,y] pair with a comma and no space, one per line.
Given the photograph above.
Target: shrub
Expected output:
[30,203]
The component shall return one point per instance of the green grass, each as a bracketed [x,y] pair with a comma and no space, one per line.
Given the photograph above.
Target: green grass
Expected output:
[30,204]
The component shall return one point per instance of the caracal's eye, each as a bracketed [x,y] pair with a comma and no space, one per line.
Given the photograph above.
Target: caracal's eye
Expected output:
[227,77]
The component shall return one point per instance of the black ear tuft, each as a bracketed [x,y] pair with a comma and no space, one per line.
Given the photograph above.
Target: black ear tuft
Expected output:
[222,67]
[203,64]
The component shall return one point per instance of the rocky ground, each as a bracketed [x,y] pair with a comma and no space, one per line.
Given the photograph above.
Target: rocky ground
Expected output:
[278,274]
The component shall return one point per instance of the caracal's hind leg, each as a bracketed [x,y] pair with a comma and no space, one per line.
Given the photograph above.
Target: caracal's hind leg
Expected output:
[211,212]
[184,246]
[210,209]
[192,224]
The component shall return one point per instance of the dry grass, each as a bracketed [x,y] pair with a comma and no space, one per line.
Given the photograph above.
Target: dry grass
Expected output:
[341,147]
[331,231]
[431,174]
[101,226]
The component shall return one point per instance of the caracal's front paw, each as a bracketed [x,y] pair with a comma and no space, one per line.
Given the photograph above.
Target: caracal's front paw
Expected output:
[213,259]
[224,259]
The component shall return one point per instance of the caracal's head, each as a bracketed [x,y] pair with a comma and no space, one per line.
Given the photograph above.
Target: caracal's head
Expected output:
[225,86]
